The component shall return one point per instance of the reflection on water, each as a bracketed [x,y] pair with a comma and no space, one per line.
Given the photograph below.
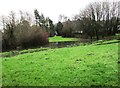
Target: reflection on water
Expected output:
[50,45]
[62,44]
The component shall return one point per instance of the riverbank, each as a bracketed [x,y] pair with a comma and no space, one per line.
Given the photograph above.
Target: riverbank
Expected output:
[89,65]
[54,45]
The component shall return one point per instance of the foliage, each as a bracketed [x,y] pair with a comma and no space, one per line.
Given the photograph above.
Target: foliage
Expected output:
[45,23]
[40,19]
[67,29]
[59,28]
[22,34]
[51,28]
[96,21]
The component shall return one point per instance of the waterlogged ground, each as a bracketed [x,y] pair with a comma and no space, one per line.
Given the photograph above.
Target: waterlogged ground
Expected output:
[89,65]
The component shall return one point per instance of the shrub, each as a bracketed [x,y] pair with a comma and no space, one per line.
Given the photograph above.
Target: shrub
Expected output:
[26,36]
[31,37]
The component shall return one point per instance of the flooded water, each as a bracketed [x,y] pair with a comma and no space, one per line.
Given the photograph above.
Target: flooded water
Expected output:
[50,45]
[62,44]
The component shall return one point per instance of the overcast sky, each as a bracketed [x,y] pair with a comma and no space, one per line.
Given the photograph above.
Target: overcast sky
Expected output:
[51,8]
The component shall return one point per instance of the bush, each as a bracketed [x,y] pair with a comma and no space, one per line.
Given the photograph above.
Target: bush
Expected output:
[32,37]
[26,36]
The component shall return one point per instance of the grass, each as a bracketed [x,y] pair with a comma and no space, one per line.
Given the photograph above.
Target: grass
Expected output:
[60,39]
[16,52]
[90,65]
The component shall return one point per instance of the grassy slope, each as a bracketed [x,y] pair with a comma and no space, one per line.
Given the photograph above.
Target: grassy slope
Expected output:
[60,39]
[75,66]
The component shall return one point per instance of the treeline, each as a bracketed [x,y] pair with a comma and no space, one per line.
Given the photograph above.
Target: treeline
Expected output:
[23,33]
[96,21]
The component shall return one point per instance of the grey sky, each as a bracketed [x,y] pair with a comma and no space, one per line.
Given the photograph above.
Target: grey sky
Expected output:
[51,8]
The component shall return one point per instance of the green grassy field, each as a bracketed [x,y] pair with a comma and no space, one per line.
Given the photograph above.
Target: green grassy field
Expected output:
[60,39]
[89,65]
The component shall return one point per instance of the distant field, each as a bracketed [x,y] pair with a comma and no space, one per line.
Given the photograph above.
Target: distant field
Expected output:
[89,65]
[61,39]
